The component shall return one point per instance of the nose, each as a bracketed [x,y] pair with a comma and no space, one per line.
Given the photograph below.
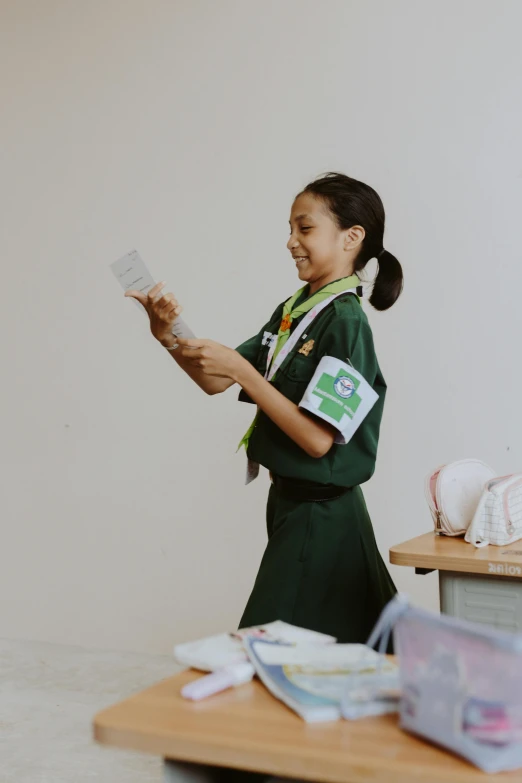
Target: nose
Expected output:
[292,243]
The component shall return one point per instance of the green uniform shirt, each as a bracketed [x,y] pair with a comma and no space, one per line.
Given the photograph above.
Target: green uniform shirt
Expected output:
[341,330]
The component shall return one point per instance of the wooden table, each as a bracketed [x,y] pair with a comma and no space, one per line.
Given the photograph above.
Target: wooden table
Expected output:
[482,585]
[248,729]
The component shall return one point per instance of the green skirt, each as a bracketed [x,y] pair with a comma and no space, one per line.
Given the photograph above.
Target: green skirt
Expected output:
[321,569]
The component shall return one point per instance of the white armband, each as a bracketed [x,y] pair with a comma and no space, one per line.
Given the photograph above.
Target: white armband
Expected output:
[339,395]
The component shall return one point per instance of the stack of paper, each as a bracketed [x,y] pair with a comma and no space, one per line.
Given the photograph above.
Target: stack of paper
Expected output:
[325,683]
[225,649]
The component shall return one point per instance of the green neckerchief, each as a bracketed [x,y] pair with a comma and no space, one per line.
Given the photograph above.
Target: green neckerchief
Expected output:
[291,312]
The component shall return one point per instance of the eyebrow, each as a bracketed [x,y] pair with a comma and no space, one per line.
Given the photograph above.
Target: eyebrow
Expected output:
[302,217]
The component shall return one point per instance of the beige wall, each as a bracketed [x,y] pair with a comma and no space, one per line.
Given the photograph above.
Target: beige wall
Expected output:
[184,129]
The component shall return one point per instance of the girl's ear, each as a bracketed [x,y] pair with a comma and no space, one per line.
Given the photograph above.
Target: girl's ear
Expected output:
[354,237]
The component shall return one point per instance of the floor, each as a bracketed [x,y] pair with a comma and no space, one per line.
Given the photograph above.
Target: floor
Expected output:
[48,696]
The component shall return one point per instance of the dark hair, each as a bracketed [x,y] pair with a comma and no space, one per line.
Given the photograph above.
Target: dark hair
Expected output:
[352,203]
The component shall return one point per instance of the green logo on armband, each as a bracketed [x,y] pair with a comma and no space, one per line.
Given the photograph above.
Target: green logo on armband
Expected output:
[338,395]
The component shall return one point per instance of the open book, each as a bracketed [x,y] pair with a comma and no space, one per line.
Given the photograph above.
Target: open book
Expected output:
[327,682]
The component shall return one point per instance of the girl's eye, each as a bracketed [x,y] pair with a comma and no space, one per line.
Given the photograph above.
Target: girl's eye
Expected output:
[306,228]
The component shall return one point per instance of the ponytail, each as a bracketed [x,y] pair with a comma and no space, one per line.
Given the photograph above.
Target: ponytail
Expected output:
[389,282]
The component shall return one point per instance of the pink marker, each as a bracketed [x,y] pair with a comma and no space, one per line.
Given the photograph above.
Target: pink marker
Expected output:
[228,677]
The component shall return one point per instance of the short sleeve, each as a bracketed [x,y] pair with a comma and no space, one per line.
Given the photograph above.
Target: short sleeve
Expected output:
[252,349]
[348,341]
[249,350]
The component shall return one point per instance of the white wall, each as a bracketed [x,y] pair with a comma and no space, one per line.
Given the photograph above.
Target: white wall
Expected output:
[184,129]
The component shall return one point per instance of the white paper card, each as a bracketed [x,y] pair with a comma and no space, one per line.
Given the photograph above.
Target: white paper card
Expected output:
[132,274]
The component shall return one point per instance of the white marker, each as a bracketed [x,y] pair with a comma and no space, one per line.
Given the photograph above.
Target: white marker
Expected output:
[220,680]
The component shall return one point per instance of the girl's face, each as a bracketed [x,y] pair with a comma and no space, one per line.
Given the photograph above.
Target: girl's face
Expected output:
[322,252]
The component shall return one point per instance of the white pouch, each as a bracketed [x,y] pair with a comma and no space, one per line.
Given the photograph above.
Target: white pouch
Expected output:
[453,492]
[498,518]
[461,685]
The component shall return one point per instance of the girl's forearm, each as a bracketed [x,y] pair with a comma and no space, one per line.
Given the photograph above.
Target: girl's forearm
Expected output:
[210,384]
[312,436]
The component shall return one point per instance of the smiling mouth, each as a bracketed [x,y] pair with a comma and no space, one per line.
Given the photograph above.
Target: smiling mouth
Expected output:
[299,259]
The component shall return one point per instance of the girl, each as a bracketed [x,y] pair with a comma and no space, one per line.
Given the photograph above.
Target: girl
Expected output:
[321,568]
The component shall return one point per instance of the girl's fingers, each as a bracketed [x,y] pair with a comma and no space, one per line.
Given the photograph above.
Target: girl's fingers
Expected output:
[166,302]
[171,313]
[194,354]
[142,298]
[155,293]
[192,343]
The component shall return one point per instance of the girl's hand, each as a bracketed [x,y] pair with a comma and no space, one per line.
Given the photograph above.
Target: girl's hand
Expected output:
[162,309]
[213,358]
